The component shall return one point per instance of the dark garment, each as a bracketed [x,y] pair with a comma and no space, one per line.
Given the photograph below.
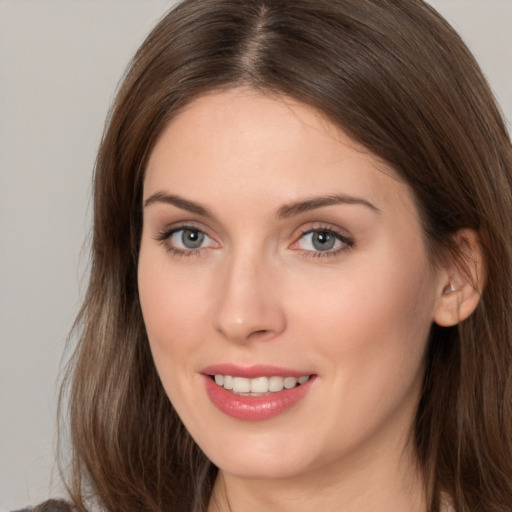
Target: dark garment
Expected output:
[49,506]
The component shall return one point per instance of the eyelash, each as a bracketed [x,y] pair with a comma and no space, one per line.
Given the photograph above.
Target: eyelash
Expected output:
[164,237]
[347,243]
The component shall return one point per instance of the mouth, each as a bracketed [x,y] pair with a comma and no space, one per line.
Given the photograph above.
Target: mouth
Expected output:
[258,386]
[258,392]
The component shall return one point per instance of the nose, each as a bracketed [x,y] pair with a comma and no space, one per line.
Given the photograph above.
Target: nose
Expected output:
[248,305]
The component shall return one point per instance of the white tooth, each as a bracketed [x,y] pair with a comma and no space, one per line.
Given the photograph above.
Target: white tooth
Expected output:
[290,382]
[275,383]
[228,382]
[259,385]
[241,385]
[303,379]
[219,379]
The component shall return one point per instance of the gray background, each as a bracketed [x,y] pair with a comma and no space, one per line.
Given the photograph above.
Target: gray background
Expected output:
[60,64]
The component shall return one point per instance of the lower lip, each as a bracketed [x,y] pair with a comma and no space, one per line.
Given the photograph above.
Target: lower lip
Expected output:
[255,408]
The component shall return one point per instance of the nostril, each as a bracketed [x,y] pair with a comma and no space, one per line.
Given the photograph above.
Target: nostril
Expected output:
[261,331]
[258,334]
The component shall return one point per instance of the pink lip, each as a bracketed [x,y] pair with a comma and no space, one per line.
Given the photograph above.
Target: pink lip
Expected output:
[251,372]
[253,408]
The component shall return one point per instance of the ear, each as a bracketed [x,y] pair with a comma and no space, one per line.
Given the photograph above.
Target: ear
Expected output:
[462,280]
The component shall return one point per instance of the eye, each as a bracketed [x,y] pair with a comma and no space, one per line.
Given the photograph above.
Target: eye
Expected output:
[185,241]
[189,239]
[323,241]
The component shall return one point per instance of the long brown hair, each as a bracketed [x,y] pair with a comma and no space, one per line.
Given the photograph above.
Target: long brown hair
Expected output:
[395,77]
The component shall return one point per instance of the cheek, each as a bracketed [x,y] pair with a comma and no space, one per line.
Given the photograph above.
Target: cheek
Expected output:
[174,309]
[378,296]
[371,324]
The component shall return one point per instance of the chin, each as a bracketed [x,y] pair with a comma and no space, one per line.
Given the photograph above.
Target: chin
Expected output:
[261,468]
[260,457]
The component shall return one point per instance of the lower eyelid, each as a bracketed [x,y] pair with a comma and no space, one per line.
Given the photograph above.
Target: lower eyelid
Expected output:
[333,253]
[183,252]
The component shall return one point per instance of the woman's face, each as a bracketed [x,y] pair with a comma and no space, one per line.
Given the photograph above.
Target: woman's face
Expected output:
[278,254]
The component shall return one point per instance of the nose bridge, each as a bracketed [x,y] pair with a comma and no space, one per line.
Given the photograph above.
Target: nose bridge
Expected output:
[248,304]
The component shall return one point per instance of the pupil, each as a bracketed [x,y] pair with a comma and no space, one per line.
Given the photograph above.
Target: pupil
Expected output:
[323,241]
[192,239]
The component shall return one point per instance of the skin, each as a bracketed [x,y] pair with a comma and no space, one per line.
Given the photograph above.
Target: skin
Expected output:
[258,291]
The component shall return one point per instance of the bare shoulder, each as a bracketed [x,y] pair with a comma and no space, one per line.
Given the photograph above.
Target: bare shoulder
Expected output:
[50,506]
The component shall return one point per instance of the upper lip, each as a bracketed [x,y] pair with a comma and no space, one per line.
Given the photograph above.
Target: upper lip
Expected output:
[253,371]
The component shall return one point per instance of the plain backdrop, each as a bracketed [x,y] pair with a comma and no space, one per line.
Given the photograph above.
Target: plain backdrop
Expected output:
[60,64]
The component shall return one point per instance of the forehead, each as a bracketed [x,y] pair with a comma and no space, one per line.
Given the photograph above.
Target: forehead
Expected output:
[241,144]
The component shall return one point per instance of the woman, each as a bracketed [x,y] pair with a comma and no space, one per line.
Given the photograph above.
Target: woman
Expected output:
[301,269]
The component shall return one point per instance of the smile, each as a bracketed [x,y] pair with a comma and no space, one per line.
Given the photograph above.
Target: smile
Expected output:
[258,386]
[258,392]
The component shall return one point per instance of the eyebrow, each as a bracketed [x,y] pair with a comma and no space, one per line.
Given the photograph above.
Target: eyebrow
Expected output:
[296,208]
[179,202]
[286,211]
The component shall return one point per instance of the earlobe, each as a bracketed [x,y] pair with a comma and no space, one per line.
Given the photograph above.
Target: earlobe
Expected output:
[462,281]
